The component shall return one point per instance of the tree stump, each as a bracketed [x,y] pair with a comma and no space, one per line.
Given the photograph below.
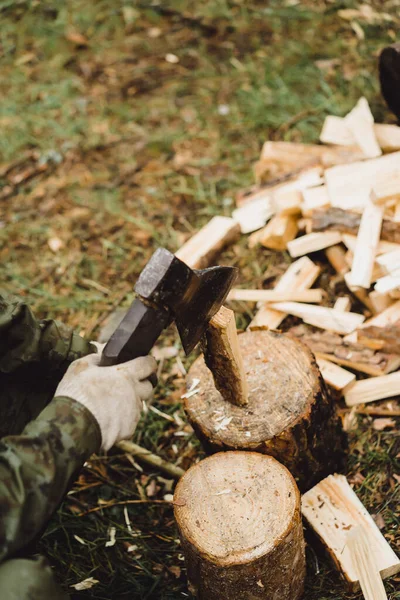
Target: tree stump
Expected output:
[289,414]
[239,519]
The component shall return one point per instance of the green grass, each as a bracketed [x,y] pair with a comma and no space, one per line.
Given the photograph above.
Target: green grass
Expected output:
[138,153]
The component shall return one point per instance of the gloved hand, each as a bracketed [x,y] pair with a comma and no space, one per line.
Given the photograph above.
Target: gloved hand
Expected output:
[114,395]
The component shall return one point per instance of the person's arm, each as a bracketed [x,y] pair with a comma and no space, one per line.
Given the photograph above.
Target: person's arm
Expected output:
[94,406]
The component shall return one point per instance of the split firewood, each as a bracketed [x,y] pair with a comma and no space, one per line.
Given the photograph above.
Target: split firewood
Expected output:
[366,245]
[313,242]
[390,261]
[253,215]
[332,510]
[388,317]
[396,215]
[349,186]
[355,356]
[343,303]
[322,317]
[336,256]
[365,565]
[280,230]
[222,357]
[300,275]
[315,295]
[379,302]
[335,131]
[360,293]
[388,283]
[287,202]
[388,190]
[375,388]
[314,198]
[290,154]
[377,272]
[335,219]
[360,123]
[386,339]
[238,515]
[201,249]
[350,241]
[289,415]
[337,377]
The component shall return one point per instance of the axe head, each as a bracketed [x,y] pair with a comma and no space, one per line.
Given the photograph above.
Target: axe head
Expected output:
[191,296]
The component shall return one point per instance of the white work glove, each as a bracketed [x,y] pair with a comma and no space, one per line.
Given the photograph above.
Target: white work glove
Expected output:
[114,395]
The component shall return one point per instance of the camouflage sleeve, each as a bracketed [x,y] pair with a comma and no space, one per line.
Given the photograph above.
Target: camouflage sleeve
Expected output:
[34,356]
[38,466]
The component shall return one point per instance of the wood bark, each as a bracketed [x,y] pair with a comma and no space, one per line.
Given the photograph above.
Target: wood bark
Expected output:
[289,414]
[223,358]
[238,514]
[336,219]
[354,356]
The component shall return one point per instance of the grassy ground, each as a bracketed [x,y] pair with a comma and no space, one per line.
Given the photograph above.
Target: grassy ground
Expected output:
[125,126]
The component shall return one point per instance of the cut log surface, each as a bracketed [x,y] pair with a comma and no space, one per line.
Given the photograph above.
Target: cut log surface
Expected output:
[300,275]
[332,347]
[201,249]
[289,414]
[332,509]
[222,355]
[238,514]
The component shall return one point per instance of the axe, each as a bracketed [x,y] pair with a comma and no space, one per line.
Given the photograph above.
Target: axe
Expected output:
[168,290]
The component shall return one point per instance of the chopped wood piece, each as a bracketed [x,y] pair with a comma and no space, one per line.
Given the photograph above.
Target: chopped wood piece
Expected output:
[390,261]
[343,304]
[335,376]
[375,388]
[289,415]
[322,317]
[360,293]
[388,317]
[396,216]
[314,198]
[239,519]
[350,240]
[202,248]
[364,563]
[287,202]
[253,215]
[300,275]
[292,154]
[379,302]
[386,190]
[335,131]
[386,339]
[336,256]
[335,219]
[377,273]
[367,242]
[387,284]
[349,186]
[332,509]
[360,123]
[354,356]
[313,242]
[315,295]
[280,230]
[223,358]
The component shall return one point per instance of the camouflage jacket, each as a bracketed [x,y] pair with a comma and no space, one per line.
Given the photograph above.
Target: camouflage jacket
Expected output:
[45,440]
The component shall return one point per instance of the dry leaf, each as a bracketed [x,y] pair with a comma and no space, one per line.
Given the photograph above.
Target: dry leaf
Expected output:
[76,38]
[175,571]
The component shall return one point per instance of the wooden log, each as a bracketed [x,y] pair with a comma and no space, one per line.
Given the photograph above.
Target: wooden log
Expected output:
[289,415]
[280,230]
[349,186]
[360,123]
[313,242]
[375,388]
[222,356]
[238,515]
[203,247]
[335,219]
[366,245]
[365,565]
[355,356]
[332,509]
[315,295]
[335,376]
[300,275]
[321,316]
